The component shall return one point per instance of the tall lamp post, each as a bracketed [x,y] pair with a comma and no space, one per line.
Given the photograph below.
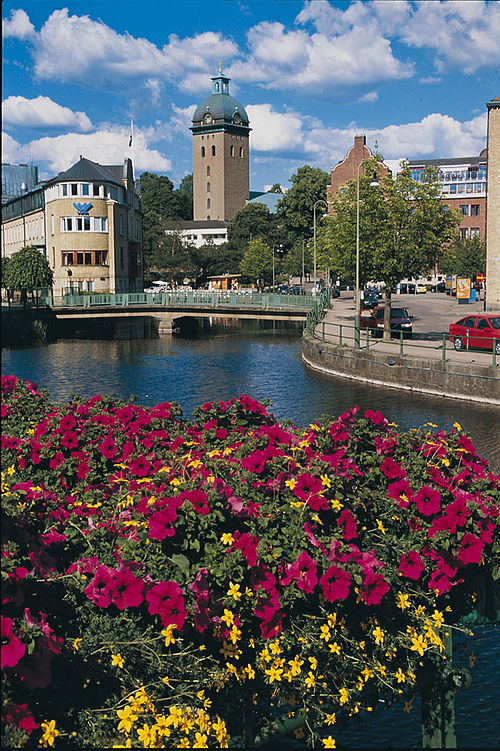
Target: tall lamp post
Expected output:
[314,225]
[279,250]
[357,303]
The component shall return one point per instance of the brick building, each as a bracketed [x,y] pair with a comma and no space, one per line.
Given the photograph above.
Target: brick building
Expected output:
[347,168]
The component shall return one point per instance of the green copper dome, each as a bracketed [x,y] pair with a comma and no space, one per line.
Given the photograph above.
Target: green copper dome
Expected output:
[220,105]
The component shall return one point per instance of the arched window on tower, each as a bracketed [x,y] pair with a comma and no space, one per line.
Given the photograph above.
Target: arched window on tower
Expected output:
[232,150]
[241,152]
[208,170]
[208,203]
[216,86]
[213,150]
[203,151]
[208,187]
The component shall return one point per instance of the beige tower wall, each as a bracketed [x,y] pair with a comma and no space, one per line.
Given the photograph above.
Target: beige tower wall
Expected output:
[228,178]
[493,208]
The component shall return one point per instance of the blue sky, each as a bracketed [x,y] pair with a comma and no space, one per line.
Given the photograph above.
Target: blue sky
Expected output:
[413,76]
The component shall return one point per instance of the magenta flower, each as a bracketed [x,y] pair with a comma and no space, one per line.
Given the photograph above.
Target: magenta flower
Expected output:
[19,716]
[83,469]
[56,460]
[335,583]
[254,462]
[411,565]
[428,501]
[199,500]
[349,522]
[391,469]
[126,590]
[160,523]
[108,448]
[140,467]
[248,546]
[12,648]
[166,600]
[69,440]
[377,417]
[304,572]
[470,549]
[67,423]
[373,588]
[99,589]
[398,489]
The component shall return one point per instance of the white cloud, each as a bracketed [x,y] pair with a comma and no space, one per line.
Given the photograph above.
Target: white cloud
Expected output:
[430,79]
[11,150]
[18,26]
[42,112]
[370,96]
[294,59]
[108,145]
[463,35]
[274,131]
[80,49]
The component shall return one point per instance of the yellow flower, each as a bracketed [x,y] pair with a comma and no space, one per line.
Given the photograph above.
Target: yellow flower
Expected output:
[168,633]
[379,635]
[11,470]
[227,538]
[382,669]
[147,736]
[228,617]
[334,648]
[325,633]
[330,719]
[235,633]
[161,726]
[77,642]
[403,601]
[381,526]
[201,741]
[336,504]
[295,665]
[329,742]
[400,676]
[457,426]
[344,696]
[419,644]
[234,591]
[249,671]
[274,673]
[438,618]
[117,660]
[310,680]
[275,648]
[408,706]
[50,732]
[291,483]
[326,481]
[314,662]
[367,673]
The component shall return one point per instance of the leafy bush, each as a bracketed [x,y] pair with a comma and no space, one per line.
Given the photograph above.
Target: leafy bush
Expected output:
[172,582]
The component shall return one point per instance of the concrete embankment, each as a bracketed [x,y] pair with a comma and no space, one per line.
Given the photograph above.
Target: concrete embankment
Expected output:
[423,370]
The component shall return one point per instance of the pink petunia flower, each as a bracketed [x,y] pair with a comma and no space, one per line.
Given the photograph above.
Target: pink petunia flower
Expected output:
[126,590]
[391,469]
[140,467]
[69,440]
[99,589]
[160,523]
[411,565]
[428,500]
[303,571]
[470,549]
[254,462]
[199,499]
[108,448]
[166,600]
[335,583]
[349,522]
[374,587]
[12,648]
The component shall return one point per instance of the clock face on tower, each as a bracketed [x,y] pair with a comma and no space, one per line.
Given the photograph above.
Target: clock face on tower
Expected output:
[237,118]
[207,118]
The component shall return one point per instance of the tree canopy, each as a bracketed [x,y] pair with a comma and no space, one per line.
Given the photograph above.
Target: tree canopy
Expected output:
[295,210]
[158,195]
[26,270]
[464,257]
[252,221]
[257,263]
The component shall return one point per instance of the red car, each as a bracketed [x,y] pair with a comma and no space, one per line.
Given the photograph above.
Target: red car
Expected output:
[477,331]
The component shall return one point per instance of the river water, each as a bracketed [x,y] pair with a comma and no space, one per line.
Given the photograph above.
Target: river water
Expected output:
[224,361]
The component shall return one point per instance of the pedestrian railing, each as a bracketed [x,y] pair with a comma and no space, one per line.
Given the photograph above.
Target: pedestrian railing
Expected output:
[346,335]
[189,298]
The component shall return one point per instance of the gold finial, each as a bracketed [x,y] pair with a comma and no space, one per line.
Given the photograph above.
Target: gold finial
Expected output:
[220,67]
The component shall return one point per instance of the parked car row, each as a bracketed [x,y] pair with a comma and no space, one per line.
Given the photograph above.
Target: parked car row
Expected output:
[400,320]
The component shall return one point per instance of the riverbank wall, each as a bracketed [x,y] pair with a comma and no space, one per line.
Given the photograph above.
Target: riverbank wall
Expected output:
[456,380]
[25,325]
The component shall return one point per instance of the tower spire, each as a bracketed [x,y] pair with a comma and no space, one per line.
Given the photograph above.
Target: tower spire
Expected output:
[220,67]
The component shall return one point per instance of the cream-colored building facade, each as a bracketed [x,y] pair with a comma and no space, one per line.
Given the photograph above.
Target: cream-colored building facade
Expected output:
[88,223]
[493,208]
[220,155]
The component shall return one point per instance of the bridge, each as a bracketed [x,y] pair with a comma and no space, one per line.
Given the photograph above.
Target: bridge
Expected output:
[167,307]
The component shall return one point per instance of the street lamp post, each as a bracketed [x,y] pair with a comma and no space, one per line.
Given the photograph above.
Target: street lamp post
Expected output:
[279,250]
[357,303]
[314,226]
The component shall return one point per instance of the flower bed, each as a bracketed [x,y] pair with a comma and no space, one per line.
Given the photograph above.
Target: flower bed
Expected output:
[172,582]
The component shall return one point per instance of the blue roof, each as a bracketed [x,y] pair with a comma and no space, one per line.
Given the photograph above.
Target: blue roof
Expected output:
[220,104]
[270,200]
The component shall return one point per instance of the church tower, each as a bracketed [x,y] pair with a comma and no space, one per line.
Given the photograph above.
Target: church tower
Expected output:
[220,154]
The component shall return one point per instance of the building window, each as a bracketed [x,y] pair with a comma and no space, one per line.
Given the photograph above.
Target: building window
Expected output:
[208,170]
[213,150]
[208,216]
[64,190]
[208,203]
[90,286]
[474,232]
[474,209]
[453,188]
[52,222]
[208,187]
[95,190]
[74,189]
[461,188]
[203,151]
[241,152]
[79,259]
[121,225]
[85,189]
[464,210]
[463,233]
[84,224]
[232,150]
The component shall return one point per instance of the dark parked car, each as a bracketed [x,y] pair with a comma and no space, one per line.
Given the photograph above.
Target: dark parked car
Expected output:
[400,321]
[476,331]
[371,298]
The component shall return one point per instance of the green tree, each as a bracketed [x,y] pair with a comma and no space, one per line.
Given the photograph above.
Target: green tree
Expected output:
[172,260]
[295,210]
[403,225]
[252,221]
[257,263]
[276,188]
[464,257]
[298,257]
[27,270]
[184,194]
[157,194]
